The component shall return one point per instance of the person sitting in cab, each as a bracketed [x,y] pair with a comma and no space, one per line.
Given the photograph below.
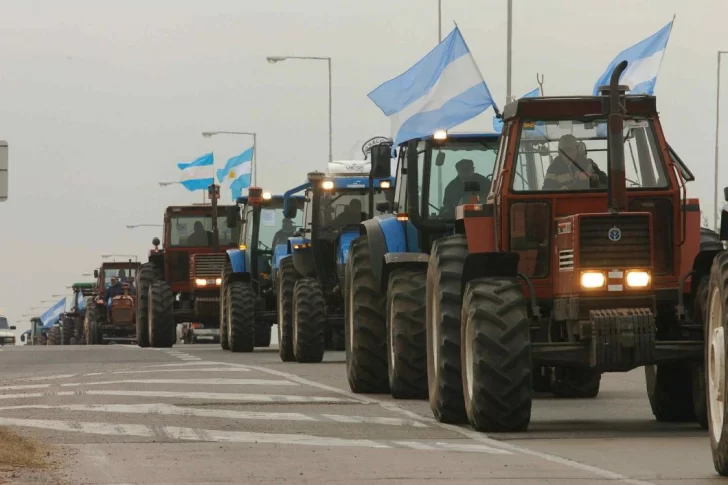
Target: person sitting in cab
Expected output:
[455,189]
[572,169]
[115,289]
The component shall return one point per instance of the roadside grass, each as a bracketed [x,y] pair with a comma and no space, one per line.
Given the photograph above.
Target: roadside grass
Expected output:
[16,451]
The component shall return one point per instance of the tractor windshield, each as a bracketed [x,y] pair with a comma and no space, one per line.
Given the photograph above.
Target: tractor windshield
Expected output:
[346,208]
[124,275]
[571,155]
[274,229]
[196,231]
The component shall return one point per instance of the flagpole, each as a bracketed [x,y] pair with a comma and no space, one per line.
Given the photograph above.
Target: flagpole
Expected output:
[255,164]
[509,51]
[439,21]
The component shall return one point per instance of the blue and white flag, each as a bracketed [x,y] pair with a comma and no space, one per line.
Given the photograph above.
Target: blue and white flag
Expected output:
[498,122]
[237,171]
[445,88]
[197,175]
[50,317]
[644,58]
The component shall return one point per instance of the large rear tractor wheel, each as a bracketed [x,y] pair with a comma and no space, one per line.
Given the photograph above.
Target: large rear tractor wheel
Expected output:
[700,315]
[573,382]
[67,332]
[263,334]
[241,316]
[54,335]
[223,306]
[309,321]
[670,391]
[91,323]
[160,318]
[287,277]
[365,323]
[406,340]
[496,356]
[715,361]
[444,378]
[147,274]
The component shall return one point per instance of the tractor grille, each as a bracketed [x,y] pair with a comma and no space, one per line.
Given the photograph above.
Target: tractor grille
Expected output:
[208,265]
[597,250]
[122,315]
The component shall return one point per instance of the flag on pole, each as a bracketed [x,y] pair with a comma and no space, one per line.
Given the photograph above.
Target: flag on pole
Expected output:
[445,88]
[498,122]
[51,316]
[197,175]
[644,61]
[237,171]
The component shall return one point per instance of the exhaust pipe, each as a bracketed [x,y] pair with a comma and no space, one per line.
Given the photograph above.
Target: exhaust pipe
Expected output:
[617,192]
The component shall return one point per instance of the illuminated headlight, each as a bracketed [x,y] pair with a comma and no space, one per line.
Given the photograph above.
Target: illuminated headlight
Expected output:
[200,282]
[592,279]
[327,184]
[267,196]
[385,184]
[637,279]
[301,246]
[440,135]
[204,282]
[218,281]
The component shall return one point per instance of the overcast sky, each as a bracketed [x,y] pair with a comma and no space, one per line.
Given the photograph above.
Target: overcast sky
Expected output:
[99,100]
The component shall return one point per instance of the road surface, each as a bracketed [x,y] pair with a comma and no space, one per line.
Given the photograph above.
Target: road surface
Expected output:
[196,414]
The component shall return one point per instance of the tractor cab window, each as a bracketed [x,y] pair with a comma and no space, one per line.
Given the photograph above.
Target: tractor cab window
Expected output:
[276,229]
[124,275]
[339,209]
[571,155]
[459,172]
[196,231]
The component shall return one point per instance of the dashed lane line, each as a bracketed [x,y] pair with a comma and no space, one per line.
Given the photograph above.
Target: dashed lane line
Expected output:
[188,382]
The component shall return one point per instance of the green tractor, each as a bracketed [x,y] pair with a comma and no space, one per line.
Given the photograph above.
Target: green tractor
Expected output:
[72,319]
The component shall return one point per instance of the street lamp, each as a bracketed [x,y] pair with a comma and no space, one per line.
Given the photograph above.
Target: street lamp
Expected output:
[58,296]
[275,59]
[106,256]
[164,184]
[717,138]
[210,134]
[134,226]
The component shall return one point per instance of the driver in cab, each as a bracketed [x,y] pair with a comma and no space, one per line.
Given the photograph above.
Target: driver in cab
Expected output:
[572,169]
[455,190]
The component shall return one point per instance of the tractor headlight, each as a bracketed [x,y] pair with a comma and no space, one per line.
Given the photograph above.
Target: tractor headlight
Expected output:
[218,281]
[200,282]
[267,196]
[637,279]
[385,184]
[592,279]
[327,184]
[440,135]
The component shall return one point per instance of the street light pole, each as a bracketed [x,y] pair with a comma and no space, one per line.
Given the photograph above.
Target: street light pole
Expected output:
[717,139]
[439,21]
[134,226]
[509,51]
[275,59]
[208,134]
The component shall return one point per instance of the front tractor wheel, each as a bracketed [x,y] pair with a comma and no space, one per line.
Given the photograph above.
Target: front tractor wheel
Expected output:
[161,328]
[241,316]
[223,306]
[496,356]
[406,342]
[287,277]
[54,336]
[444,378]
[147,274]
[715,361]
[365,323]
[91,323]
[670,391]
[309,321]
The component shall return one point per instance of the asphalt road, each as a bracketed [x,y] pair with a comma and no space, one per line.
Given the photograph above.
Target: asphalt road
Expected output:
[197,414]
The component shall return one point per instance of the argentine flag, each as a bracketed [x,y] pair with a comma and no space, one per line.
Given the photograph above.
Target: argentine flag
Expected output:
[445,88]
[236,173]
[498,122]
[50,317]
[197,175]
[644,58]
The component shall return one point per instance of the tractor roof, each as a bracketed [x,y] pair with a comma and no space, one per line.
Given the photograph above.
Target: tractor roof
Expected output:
[83,285]
[196,209]
[277,197]
[463,136]
[574,107]
[120,264]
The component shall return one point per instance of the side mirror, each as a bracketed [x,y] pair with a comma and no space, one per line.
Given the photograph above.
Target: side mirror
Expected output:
[725,194]
[96,273]
[384,206]
[12,327]
[472,186]
[155,242]
[381,161]
[440,159]
[231,216]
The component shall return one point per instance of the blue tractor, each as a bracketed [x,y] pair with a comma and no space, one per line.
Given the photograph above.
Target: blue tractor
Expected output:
[310,282]
[248,290]
[387,272]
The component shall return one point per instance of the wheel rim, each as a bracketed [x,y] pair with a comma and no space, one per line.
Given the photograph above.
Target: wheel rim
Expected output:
[716,365]
[468,385]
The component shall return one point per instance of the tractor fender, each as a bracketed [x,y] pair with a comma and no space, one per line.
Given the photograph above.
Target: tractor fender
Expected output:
[393,261]
[385,235]
[344,244]
[485,265]
[237,259]
[279,252]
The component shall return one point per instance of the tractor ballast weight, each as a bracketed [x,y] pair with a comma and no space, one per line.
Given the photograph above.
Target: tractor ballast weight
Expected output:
[181,281]
[248,290]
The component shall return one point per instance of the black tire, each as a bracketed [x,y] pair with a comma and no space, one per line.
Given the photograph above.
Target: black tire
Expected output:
[287,277]
[68,327]
[700,403]
[93,333]
[91,322]
[541,379]
[670,391]
[223,306]
[161,328]
[54,336]
[365,323]
[715,361]
[575,383]
[309,321]
[263,334]
[444,288]
[406,339]
[241,316]
[496,356]
[147,274]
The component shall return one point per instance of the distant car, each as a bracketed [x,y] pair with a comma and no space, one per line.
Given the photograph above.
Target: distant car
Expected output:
[7,337]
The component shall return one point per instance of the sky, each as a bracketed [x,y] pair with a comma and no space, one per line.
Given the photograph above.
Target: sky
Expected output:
[99,100]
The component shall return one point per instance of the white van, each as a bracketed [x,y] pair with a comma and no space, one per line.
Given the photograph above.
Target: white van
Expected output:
[7,337]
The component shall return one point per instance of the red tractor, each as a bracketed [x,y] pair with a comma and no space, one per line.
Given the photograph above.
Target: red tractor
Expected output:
[181,281]
[110,315]
[573,264]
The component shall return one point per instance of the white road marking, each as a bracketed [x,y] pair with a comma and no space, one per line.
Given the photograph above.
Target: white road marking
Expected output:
[181,364]
[194,382]
[217,396]
[47,378]
[26,386]
[94,374]
[173,410]
[202,369]
[211,435]
[475,436]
